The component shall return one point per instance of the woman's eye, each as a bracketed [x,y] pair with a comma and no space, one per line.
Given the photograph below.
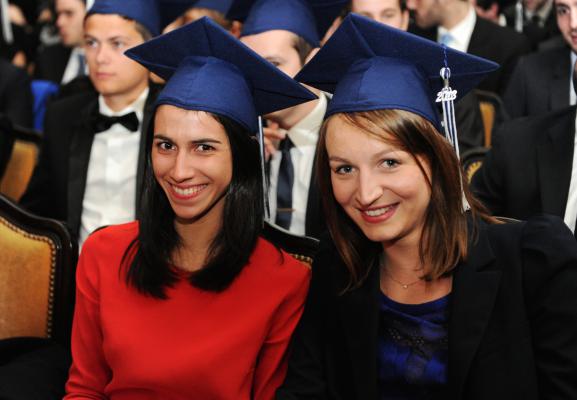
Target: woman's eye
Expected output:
[166,146]
[204,148]
[344,169]
[389,163]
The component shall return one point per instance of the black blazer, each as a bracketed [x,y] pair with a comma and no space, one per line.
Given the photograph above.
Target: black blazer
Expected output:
[51,62]
[512,328]
[540,83]
[58,183]
[528,169]
[493,42]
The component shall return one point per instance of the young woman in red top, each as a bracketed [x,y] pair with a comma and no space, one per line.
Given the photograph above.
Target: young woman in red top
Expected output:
[189,302]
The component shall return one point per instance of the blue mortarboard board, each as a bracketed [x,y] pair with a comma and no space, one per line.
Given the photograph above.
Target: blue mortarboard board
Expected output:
[172,9]
[370,66]
[145,12]
[309,19]
[208,69]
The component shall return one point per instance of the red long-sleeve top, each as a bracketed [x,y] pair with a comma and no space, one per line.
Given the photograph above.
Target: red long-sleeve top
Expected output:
[195,345]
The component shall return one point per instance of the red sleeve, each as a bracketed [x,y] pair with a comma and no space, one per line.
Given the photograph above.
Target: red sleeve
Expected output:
[271,365]
[89,373]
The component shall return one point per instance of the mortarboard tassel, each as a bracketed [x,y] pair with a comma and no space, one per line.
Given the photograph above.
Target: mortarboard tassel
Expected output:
[447,98]
[262,165]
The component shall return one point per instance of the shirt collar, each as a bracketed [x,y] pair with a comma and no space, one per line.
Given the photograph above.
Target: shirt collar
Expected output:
[542,12]
[137,106]
[306,131]
[462,32]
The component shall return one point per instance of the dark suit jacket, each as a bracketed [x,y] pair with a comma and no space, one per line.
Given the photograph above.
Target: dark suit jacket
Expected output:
[51,62]
[528,169]
[57,186]
[15,107]
[512,328]
[496,43]
[540,83]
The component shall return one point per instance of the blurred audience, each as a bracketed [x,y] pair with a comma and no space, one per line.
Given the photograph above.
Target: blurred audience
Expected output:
[91,160]
[64,61]
[542,81]
[455,24]
[292,133]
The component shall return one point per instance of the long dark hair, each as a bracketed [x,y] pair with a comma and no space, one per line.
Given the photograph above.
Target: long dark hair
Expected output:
[444,241]
[149,270]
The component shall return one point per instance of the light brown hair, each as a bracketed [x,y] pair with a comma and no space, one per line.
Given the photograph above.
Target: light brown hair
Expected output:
[444,240]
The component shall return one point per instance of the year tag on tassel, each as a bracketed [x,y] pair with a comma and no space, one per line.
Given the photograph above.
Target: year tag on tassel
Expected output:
[447,97]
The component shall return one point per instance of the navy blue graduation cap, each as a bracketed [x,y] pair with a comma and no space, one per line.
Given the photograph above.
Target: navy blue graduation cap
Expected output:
[208,69]
[309,19]
[172,9]
[371,66]
[145,12]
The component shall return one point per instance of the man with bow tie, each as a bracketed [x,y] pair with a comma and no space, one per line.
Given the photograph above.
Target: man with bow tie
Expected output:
[92,157]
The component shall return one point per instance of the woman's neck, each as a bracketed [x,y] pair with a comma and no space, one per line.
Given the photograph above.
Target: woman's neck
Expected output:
[195,238]
[401,273]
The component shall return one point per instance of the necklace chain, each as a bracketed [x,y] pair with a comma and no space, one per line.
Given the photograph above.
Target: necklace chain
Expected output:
[403,285]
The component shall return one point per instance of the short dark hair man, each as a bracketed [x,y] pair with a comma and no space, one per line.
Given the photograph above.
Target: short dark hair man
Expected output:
[92,157]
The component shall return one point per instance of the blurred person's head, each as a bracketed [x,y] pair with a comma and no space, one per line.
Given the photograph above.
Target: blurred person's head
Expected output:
[285,34]
[433,13]
[109,30]
[195,13]
[69,21]
[390,12]
[566,11]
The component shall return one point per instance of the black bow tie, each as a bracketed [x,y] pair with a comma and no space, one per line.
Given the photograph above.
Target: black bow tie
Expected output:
[103,122]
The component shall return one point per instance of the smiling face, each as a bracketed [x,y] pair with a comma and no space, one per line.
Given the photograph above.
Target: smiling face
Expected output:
[107,37]
[378,185]
[192,162]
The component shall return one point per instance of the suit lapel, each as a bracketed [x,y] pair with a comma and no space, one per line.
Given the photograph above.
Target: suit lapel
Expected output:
[554,163]
[560,83]
[475,287]
[360,315]
[79,157]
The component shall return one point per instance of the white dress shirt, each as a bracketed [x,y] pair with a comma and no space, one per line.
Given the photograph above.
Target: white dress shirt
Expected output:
[72,68]
[110,194]
[304,136]
[571,207]
[460,33]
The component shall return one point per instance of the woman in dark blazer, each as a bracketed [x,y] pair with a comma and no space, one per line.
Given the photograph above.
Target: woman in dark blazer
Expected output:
[417,293]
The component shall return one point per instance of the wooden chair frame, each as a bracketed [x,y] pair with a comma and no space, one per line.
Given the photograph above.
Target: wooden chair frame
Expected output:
[64,258]
[303,248]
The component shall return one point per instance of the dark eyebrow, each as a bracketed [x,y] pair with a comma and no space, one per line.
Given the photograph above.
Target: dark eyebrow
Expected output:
[195,141]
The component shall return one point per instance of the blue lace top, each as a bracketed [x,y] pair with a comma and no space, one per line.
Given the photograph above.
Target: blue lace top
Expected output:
[413,349]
